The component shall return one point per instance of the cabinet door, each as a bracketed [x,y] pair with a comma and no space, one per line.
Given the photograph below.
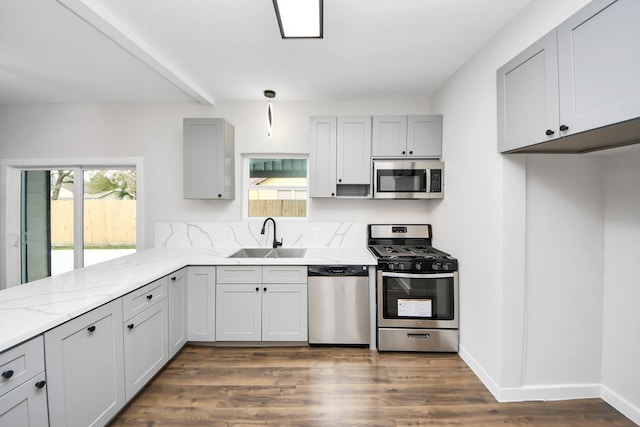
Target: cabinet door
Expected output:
[25,406]
[145,346]
[528,109]
[201,300]
[424,136]
[177,284]
[389,136]
[284,312]
[238,312]
[208,159]
[322,157]
[354,150]
[599,63]
[85,368]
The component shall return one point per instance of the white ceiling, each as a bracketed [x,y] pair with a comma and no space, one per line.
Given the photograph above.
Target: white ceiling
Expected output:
[109,51]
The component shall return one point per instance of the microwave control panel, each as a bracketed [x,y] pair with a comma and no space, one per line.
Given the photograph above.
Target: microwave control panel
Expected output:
[435,185]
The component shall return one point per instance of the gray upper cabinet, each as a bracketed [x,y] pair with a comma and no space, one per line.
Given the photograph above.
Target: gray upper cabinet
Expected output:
[340,157]
[209,159]
[575,90]
[407,136]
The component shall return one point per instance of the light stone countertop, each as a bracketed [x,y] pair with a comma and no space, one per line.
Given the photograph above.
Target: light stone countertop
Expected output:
[31,309]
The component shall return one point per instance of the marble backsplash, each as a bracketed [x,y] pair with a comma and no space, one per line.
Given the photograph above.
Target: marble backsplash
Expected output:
[247,234]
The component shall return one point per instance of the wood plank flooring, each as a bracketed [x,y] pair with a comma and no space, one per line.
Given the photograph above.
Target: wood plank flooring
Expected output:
[300,386]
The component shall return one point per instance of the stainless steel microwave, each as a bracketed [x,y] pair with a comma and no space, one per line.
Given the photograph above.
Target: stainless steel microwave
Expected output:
[408,179]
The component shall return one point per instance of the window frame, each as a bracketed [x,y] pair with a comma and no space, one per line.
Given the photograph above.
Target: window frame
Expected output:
[246,186]
[10,258]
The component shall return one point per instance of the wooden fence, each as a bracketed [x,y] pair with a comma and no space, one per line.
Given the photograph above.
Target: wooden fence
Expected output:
[290,208]
[106,222]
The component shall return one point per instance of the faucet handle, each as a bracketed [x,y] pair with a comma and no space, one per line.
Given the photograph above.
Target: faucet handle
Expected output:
[276,243]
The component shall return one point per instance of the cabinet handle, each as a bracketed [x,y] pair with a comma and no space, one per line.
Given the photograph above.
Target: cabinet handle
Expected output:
[41,384]
[339,179]
[219,195]
[149,296]
[549,132]
[264,289]
[404,152]
[130,325]
[333,194]
[7,374]
[91,328]
[173,278]
[564,128]
[257,289]
[410,152]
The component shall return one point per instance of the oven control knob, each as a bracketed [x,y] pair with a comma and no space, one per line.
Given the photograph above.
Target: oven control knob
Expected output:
[401,266]
[418,266]
[437,266]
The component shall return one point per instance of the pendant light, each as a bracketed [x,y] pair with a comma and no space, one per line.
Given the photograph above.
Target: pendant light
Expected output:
[269,94]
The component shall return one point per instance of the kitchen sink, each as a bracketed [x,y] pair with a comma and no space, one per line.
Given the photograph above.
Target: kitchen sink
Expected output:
[269,253]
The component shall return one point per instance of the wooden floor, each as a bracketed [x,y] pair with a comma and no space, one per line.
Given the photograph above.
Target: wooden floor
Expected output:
[299,386]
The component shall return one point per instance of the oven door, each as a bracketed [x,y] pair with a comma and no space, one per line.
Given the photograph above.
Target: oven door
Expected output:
[412,300]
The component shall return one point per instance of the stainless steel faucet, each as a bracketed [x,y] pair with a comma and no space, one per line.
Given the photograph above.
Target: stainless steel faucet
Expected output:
[275,240]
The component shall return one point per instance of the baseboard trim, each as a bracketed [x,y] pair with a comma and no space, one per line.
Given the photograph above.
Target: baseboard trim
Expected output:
[551,392]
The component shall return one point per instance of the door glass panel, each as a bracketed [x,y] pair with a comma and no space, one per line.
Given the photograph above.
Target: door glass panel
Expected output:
[62,234]
[109,213]
[418,298]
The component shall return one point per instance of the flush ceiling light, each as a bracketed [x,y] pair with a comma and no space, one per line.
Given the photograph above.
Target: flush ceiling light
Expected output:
[269,94]
[299,19]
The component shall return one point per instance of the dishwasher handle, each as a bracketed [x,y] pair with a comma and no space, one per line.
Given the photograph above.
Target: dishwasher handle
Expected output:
[338,270]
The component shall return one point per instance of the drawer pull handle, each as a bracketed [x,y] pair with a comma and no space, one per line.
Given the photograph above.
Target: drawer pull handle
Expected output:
[564,128]
[264,289]
[130,326]
[91,328]
[173,278]
[549,132]
[41,384]
[149,296]
[257,289]
[7,374]
[419,335]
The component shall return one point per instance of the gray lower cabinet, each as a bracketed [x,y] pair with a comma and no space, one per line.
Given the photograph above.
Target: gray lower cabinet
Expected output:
[146,332]
[23,391]
[85,368]
[579,78]
[201,300]
[177,295]
[261,303]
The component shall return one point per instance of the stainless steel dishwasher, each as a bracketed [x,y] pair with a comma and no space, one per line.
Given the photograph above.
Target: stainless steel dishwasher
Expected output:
[339,305]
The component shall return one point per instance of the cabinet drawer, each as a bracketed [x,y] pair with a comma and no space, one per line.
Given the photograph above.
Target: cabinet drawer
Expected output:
[20,363]
[239,274]
[143,298]
[284,274]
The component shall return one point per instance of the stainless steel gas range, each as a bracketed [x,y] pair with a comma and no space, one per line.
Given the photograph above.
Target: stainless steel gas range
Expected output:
[417,290]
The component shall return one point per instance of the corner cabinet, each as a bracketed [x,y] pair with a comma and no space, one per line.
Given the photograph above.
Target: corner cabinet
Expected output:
[23,392]
[261,303]
[340,156]
[208,159]
[85,368]
[564,93]
[407,136]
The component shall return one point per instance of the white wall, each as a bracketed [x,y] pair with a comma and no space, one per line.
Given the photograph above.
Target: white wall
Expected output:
[154,132]
[621,329]
[496,212]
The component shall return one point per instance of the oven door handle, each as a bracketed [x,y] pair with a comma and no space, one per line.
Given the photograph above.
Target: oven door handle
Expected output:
[417,275]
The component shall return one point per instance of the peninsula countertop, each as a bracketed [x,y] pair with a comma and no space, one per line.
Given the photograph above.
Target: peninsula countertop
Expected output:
[33,308]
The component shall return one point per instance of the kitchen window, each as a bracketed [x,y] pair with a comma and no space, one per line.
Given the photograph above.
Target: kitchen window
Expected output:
[276,186]
[60,217]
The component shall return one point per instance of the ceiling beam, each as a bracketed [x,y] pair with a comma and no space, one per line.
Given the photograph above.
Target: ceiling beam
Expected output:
[123,36]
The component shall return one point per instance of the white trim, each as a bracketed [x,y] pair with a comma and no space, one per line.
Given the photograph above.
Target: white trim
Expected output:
[10,195]
[245,183]
[621,404]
